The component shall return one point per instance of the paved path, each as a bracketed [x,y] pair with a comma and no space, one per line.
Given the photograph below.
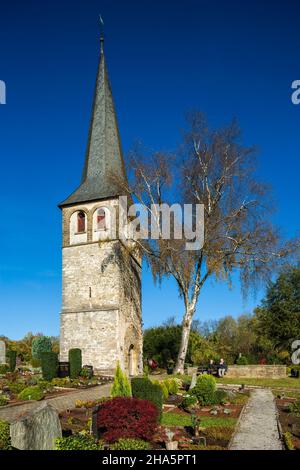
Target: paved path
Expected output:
[59,403]
[257,429]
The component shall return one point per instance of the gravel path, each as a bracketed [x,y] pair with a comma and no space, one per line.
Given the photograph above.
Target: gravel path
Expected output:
[60,403]
[257,429]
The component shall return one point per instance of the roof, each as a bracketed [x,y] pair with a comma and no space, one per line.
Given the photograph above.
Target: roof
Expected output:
[104,173]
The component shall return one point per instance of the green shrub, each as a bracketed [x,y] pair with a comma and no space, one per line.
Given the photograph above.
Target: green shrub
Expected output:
[188,401]
[12,359]
[39,345]
[294,407]
[163,387]
[172,386]
[49,365]
[144,389]
[4,368]
[31,393]
[121,385]
[77,442]
[205,389]
[220,397]
[16,387]
[288,441]
[242,361]
[4,399]
[5,443]
[130,444]
[75,361]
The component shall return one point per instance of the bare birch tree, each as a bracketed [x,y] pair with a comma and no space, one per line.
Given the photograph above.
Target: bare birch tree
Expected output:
[214,169]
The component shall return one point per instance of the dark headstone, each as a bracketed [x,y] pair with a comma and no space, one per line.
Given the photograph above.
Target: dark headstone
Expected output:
[63,369]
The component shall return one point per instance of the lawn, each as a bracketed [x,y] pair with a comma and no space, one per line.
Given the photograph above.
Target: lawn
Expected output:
[175,419]
[288,382]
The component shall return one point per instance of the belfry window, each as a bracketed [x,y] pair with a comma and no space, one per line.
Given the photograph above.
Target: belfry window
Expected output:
[81,222]
[101,222]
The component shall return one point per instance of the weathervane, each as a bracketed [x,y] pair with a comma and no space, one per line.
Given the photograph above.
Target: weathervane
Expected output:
[101,32]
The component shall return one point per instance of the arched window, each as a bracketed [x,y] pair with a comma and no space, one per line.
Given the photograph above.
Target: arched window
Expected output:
[101,222]
[81,222]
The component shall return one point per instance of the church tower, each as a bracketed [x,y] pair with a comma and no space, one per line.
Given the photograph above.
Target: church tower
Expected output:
[101,279]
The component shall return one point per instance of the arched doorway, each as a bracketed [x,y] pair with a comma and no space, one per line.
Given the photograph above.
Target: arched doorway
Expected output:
[132,361]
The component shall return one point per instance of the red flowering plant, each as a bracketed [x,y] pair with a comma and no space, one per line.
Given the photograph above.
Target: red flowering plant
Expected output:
[124,417]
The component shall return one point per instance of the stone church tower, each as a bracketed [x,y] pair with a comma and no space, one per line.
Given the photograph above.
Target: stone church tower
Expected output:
[101,285]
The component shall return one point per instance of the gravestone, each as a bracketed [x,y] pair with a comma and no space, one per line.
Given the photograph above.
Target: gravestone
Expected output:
[2,352]
[194,381]
[37,429]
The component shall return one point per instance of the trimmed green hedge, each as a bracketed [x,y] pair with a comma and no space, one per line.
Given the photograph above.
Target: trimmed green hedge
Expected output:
[75,361]
[12,359]
[49,361]
[144,389]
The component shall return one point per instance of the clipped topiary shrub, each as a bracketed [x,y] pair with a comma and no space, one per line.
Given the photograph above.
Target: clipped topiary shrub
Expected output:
[130,444]
[121,385]
[75,361]
[5,443]
[205,389]
[39,345]
[77,442]
[124,417]
[31,393]
[49,361]
[144,389]
[12,359]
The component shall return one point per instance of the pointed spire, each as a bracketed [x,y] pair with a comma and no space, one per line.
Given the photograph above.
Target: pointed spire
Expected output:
[104,154]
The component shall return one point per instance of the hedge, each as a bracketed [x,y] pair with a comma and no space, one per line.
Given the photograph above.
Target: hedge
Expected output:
[75,361]
[144,389]
[49,361]
[12,359]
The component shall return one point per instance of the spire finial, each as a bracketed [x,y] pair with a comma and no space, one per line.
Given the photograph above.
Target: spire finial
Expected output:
[101,32]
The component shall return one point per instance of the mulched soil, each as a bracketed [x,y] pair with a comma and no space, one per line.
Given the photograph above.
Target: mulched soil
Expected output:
[288,419]
[74,420]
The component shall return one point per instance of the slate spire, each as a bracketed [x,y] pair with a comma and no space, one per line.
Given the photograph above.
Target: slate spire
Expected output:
[104,165]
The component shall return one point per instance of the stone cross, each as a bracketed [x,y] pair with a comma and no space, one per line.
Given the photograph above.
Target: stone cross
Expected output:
[2,352]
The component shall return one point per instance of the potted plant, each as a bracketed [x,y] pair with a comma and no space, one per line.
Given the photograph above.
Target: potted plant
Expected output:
[170,367]
[169,443]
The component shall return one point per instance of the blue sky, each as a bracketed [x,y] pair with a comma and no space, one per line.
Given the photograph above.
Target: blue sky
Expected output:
[226,58]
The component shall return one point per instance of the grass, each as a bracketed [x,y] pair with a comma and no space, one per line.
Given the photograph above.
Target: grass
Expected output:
[287,382]
[175,419]
[287,394]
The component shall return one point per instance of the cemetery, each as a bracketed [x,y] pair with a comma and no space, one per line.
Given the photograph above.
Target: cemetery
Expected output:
[159,410]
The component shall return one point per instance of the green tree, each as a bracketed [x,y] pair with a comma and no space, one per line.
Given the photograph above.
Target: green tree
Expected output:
[278,317]
[40,344]
[121,385]
[162,343]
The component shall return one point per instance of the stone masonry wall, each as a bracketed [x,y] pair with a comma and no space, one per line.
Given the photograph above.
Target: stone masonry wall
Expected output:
[101,290]
[257,371]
